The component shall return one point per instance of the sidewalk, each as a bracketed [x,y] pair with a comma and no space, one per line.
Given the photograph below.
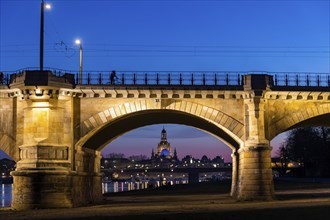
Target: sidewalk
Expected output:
[309,203]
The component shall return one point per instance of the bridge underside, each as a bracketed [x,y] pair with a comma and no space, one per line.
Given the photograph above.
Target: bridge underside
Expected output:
[118,127]
[321,120]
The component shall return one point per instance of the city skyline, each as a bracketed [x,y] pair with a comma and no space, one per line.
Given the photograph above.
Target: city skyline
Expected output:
[186,139]
[274,36]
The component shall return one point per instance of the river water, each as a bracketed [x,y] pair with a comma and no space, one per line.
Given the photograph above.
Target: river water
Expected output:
[107,187]
[5,196]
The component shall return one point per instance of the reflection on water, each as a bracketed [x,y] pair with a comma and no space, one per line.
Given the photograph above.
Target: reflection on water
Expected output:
[5,195]
[6,189]
[108,187]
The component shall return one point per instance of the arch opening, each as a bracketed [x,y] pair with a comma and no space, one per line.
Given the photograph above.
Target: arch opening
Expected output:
[317,121]
[165,154]
[303,149]
[114,129]
[185,140]
[7,164]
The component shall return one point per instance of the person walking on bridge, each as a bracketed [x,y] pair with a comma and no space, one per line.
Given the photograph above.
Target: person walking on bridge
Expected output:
[113,76]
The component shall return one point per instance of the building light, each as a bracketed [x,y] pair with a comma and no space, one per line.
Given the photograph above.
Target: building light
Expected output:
[40,104]
[38,92]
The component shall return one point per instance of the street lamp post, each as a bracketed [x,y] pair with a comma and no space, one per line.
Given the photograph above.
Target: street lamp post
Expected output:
[43,6]
[78,42]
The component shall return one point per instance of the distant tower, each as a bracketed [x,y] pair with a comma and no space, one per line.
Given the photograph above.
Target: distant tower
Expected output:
[163,135]
[152,154]
[175,156]
[164,147]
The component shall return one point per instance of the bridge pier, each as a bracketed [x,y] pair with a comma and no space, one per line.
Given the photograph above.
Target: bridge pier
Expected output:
[255,180]
[43,178]
[40,188]
[87,182]
[234,178]
[46,183]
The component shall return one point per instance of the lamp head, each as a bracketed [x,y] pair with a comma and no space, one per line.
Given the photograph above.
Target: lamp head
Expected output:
[48,6]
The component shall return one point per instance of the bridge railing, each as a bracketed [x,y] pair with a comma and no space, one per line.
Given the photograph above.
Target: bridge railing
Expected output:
[195,78]
[162,78]
[8,77]
[301,79]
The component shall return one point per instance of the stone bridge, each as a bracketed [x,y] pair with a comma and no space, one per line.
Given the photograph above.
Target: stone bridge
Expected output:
[55,128]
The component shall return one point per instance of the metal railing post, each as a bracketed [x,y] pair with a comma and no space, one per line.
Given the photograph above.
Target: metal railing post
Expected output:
[100,78]
[286,80]
[275,79]
[297,80]
[307,80]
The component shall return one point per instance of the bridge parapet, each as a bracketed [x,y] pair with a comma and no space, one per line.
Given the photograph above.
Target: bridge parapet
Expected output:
[181,78]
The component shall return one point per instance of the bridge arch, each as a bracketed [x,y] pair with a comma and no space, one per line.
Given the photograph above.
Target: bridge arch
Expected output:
[295,115]
[103,127]
[99,138]
[89,147]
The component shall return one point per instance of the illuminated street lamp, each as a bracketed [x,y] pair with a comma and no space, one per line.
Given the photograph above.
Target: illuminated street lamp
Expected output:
[43,6]
[78,42]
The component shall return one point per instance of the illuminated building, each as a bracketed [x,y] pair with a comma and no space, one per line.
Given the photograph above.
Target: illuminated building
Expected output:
[164,149]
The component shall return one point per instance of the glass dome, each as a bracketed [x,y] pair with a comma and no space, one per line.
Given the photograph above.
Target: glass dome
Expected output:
[165,153]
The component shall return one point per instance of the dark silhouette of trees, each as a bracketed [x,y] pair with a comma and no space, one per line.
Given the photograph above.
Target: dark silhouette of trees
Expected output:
[283,161]
[205,159]
[115,155]
[218,159]
[138,157]
[311,147]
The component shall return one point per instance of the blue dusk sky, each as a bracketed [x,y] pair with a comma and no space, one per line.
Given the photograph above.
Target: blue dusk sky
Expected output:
[200,35]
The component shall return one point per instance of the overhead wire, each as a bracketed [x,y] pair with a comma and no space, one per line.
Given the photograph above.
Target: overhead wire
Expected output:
[131,50]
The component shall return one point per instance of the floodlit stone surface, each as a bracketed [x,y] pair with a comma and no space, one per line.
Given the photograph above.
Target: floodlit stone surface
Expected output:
[55,130]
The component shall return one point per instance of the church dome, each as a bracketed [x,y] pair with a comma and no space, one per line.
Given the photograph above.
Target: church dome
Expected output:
[165,153]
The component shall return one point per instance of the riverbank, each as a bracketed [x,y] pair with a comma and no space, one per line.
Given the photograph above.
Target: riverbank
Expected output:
[293,200]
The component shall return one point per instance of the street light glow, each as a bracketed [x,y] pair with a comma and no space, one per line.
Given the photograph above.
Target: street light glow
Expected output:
[78,42]
[48,6]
